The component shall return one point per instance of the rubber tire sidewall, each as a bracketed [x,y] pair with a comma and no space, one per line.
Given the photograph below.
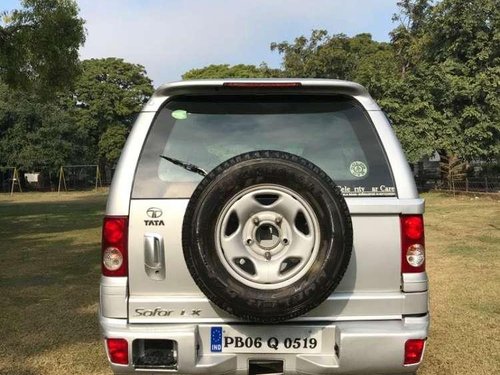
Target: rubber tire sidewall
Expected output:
[268,168]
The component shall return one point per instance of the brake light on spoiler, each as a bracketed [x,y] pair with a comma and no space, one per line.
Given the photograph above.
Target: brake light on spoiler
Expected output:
[262,84]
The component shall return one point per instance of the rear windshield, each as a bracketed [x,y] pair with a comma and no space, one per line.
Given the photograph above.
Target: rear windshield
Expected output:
[332,132]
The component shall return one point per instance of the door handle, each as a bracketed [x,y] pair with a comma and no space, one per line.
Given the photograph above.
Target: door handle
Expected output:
[154,256]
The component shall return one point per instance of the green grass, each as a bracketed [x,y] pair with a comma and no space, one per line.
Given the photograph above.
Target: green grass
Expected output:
[49,284]
[463,262]
[50,273]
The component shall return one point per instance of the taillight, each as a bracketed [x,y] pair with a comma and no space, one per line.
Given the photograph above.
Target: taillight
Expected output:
[414,349]
[118,351]
[412,244]
[114,246]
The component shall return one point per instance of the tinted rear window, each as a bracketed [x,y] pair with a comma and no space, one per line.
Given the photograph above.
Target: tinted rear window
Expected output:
[332,132]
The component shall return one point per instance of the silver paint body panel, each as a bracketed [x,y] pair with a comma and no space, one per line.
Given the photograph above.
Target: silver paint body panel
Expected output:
[372,305]
[364,347]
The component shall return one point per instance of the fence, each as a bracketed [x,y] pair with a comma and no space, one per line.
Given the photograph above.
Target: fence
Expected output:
[473,185]
[66,178]
[79,177]
[10,180]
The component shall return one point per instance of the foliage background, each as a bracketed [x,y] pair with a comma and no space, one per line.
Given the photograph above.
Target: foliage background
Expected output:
[437,80]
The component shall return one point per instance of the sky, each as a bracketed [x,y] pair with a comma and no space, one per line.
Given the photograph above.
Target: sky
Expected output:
[170,37]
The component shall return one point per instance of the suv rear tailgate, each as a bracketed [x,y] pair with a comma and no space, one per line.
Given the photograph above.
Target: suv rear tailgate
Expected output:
[371,287]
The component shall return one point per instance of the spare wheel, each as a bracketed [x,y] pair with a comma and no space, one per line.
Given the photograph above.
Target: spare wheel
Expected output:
[267,236]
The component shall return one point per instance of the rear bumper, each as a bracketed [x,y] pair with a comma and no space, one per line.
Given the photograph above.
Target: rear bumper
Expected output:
[363,347]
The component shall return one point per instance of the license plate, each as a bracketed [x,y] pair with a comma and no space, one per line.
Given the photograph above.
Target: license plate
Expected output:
[251,339]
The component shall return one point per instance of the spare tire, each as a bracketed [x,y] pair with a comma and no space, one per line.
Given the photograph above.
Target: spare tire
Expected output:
[267,236]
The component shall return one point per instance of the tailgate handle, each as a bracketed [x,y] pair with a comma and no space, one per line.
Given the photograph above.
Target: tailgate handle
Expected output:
[154,256]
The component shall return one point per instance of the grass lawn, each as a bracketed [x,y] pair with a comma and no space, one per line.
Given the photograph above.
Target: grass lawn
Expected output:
[50,273]
[49,284]
[463,261]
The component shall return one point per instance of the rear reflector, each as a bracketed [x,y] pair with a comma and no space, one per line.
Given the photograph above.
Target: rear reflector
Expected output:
[412,244]
[112,259]
[114,246]
[118,351]
[263,84]
[413,351]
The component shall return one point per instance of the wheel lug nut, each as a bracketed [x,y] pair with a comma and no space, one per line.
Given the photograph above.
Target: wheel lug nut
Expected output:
[285,241]
[278,220]
[267,255]
[256,220]
[249,241]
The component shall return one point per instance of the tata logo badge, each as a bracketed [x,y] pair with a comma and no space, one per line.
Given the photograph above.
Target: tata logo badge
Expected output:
[154,213]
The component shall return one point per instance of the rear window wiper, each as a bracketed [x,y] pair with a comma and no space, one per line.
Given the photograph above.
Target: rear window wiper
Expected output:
[187,166]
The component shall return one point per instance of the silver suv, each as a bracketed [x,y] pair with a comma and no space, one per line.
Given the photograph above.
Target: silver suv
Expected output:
[263,227]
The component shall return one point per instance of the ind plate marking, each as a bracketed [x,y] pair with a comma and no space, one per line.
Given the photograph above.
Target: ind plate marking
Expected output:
[216,339]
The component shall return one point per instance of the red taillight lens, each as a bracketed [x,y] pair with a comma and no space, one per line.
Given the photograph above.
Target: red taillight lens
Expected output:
[118,351]
[113,229]
[114,246]
[413,351]
[412,244]
[413,227]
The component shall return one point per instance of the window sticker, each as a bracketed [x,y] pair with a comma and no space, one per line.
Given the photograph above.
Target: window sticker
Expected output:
[381,190]
[179,114]
[358,169]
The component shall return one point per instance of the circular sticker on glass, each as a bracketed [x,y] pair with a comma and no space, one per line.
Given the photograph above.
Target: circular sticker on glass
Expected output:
[358,168]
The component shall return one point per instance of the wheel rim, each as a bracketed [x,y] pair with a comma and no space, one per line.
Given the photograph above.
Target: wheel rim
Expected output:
[267,237]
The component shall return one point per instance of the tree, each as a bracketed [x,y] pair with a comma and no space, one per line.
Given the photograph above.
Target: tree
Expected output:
[419,125]
[407,37]
[437,80]
[111,143]
[338,56]
[333,56]
[109,94]
[464,42]
[235,71]
[455,74]
[39,45]
[35,134]
[375,65]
